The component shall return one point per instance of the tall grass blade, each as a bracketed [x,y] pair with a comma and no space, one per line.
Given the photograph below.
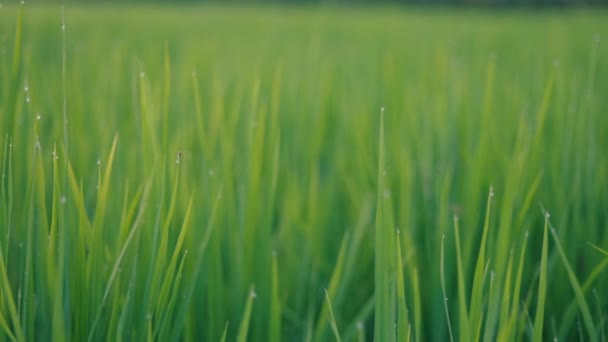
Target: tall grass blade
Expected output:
[542,286]
[244,327]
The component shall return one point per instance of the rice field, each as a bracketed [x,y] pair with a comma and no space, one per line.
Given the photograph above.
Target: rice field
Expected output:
[264,173]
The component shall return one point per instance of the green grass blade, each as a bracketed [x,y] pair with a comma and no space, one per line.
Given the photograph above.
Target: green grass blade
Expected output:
[333,286]
[332,321]
[225,333]
[244,327]
[443,289]
[275,303]
[402,314]
[542,286]
[463,322]
[475,314]
[384,325]
[580,297]
[118,261]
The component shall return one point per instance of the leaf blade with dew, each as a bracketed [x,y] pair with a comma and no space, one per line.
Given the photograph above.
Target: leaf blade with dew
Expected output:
[542,286]
[244,326]
[332,321]
[576,287]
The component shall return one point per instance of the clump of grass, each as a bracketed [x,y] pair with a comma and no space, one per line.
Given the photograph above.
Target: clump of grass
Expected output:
[140,200]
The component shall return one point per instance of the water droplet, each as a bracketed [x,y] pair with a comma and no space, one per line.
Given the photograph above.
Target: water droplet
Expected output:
[445,298]
[253,294]
[179,157]
[141,74]
[491,191]
[398,231]
[211,172]
[386,194]
[38,117]
[63,27]
[359,325]
[22,2]
[149,316]
[26,87]
[547,215]
[596,38]
[62,200]
[98,162]
[27,99]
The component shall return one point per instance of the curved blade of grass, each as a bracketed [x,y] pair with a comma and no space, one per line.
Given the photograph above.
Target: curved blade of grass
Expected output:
[445,296]
[580,297]
[118,261]
[225,333]
[333,286]
[402,319]
[511,325]
[542,286]
[334,325]
[244,327]
[475,314]
[571,310]
[603,251]
[180,316]
[5,327]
